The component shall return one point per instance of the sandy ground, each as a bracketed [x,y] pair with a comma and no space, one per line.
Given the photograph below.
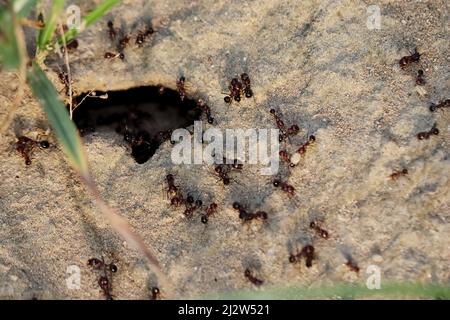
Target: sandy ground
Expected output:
[322,68]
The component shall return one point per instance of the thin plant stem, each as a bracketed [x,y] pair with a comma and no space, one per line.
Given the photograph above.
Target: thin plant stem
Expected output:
[22,74]
[69,75]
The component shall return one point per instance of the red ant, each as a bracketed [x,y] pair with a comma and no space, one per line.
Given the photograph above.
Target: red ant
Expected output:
[110,55]
[317,227]
[142,36]
[307,252]
[104,281]
[111,31]
[290,190]
[285,133]
[284,156]
[123,43]
[248,216]
[155,293]
[191,206]
[202,106]
[352,265]
[105,285]
[71,46]
[420,80]
[406,60]
[302,149]
[64,79]
[172,190]
[209,212]
[397,174]
[246,82]
[426,134]
[235,88]
[173,193]
[295,158]
[224,169]
[441,105]
[25,146]
[248,274]
[181,88]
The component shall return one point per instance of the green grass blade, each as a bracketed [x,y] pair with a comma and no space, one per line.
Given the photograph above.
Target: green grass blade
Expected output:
[59,119]
[9,49]
[91,18]
[46,34]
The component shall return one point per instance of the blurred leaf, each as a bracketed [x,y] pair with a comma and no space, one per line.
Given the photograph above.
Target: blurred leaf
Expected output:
[9,50]
[23,7]
[91,18]
[46,34]
[341,291]
[58,116]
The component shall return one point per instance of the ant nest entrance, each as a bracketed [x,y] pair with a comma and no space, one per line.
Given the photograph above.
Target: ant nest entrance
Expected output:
[144,116]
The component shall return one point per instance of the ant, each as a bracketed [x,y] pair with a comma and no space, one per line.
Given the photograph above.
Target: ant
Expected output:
[25,146]
[224,169]
[426,134]
[105,285]
[351,264]
[247,216]
[246,82]
[97,264]
[180,87]
[110,55]
[202,106]
[191,206]
[307,252]
[318,228]
[104,281]
[235,88]
[71,46]
[290,190]
[142,36]
[284,156]
[209,212]
[156,293]
[123,43]
[111,31]
[64,79]
[295,158]
[406,60]
[443,104]
[248,274]
[397,174]
[285,133]
[420,80]
[302,149]
[172,190]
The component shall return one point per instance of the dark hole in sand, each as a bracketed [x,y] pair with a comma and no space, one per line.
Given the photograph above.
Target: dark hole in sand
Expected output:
[145,117]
